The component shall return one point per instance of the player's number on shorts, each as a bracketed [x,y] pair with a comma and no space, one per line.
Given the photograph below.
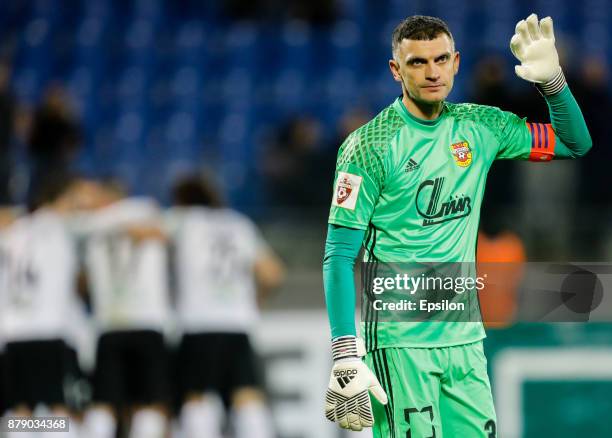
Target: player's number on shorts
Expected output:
[414,411]
[491,428]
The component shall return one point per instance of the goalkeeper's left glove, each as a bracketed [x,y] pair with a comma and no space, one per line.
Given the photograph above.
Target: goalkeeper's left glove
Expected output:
[347,401]
[533,45]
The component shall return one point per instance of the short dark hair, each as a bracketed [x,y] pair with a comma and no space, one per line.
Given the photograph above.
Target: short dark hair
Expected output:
[193,191]
[49,188]
[419,27]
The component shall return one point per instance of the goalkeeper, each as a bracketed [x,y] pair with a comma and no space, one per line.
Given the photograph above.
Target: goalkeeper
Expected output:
[428,379]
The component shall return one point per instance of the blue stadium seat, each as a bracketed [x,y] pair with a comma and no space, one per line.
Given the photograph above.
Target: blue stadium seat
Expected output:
[161,82]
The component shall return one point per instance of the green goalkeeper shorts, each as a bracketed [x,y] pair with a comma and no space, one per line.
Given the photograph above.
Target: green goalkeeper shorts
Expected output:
[433,393]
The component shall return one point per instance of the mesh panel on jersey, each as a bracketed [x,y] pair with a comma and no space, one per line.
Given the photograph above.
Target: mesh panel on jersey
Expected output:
[366,146]
[494,119]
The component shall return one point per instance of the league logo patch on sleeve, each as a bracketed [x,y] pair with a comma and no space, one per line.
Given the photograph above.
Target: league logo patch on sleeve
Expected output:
[347,190]
[461,153]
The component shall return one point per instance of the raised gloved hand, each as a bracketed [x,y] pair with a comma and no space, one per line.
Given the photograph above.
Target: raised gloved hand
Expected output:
[533,45]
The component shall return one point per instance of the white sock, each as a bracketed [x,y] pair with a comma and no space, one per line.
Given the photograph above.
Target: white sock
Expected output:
[99,423]
[252,420]
[201,418]
[148,423]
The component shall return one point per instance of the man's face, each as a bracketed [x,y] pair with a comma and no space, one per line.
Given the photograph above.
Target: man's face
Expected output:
[426,68]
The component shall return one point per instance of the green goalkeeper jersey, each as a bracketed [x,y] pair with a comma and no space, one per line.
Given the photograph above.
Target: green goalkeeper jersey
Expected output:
[416,186]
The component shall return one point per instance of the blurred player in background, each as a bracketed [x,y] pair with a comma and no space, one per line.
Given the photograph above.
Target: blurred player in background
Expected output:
[38,266]
[126,264]
[8,215]
[413,179]
[221,262]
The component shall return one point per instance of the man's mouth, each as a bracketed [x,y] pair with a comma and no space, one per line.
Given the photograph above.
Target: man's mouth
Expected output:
[433,87]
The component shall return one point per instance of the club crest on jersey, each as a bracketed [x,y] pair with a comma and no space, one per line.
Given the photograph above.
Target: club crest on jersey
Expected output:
[347,190]
[461,153]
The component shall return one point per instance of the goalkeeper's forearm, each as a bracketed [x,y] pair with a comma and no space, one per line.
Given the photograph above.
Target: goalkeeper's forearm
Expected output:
[341,250]
[571,132]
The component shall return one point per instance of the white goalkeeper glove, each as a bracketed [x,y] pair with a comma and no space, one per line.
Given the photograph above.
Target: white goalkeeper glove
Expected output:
[533,45]
[347,401]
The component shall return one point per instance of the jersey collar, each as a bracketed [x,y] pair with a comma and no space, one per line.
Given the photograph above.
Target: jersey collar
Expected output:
[410,118]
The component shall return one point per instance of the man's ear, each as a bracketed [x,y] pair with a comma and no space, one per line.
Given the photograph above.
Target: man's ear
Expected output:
[394,67]
[456,62]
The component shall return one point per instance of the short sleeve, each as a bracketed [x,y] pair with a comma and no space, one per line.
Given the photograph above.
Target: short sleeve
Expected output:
[509,136]
[260,244]
[359,177]
[250,236]
[512,134]
[522,140]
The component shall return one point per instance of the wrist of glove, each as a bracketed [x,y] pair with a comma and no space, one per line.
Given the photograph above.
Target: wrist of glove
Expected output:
[347,401]
[533,44]
[553,86]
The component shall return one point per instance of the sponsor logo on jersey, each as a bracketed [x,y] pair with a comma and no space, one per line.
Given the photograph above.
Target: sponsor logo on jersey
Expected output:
[461,153]
[347,190]
[433,212]
[412,165]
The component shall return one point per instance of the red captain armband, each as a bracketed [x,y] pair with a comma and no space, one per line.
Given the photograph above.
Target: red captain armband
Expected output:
[542,141]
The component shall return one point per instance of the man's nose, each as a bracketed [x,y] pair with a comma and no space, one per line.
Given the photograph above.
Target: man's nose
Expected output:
[432,72]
